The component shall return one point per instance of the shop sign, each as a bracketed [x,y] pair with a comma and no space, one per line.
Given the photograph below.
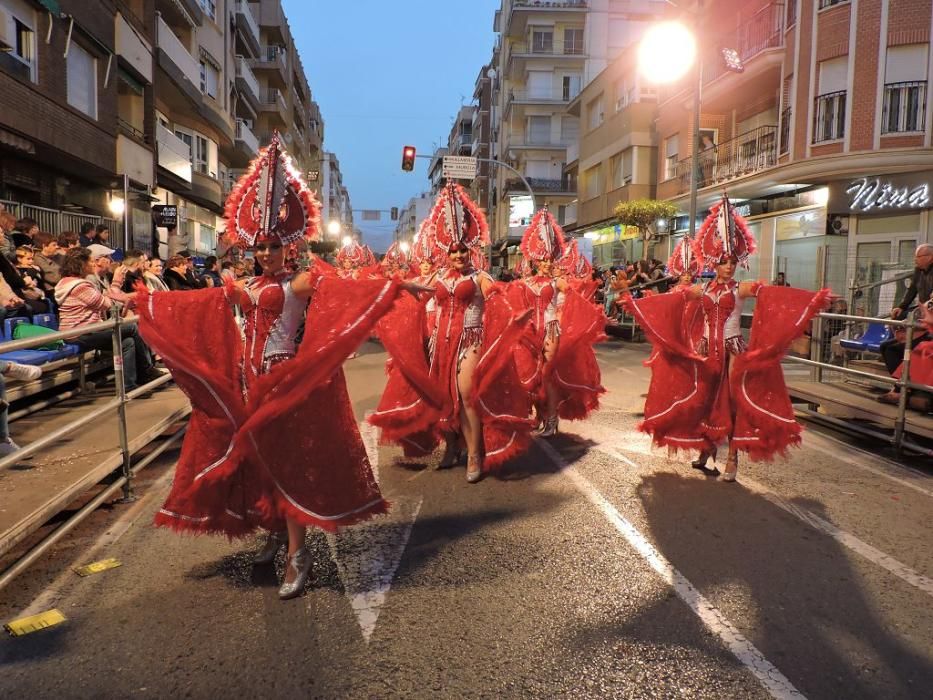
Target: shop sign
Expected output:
[611,234]
[883,194]
[166,215]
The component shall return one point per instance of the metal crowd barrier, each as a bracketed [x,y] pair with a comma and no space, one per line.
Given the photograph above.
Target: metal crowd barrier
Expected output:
[898,439]
[127,471]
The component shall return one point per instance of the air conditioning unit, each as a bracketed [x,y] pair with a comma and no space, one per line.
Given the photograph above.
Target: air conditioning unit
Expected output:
[837,225]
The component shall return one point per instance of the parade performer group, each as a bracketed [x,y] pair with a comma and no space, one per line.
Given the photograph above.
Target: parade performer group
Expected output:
[707,386]
[474,364]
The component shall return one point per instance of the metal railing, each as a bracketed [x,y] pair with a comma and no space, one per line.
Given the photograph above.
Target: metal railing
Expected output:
[763,31]
[829,116]
[904,107]
[784,139]
[118,405]
[749,153]
[540,184]
[548,48]
[55,221]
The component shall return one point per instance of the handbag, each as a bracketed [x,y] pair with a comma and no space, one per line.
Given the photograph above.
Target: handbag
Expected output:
[30,330]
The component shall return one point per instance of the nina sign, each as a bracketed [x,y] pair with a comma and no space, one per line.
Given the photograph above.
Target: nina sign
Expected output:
[876,194]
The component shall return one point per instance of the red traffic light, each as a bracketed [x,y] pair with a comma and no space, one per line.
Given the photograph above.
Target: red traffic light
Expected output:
[408,158]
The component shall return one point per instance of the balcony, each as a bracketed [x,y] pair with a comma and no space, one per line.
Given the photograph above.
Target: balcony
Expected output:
[555,52]
[135,160]
[530,143]
[185,65]
[174,154]
[248,26]
[273,103]
[541,97]
[246,81]
[132,48]
[273,63]
[246,141]
[904,108]
[750,153]
[567,185]
[515,20]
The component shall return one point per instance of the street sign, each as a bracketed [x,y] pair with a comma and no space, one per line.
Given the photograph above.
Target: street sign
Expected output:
[459,167]
[372,215]
[166,215]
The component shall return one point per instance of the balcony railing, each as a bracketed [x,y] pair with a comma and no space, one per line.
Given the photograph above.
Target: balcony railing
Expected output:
[548,48]
[245,73]
[174,154]
[752,152]
[764,30]
[547,4]
[565,185]
[274,99]
[242,9]
[272,56]
[557,96]
[829,117]
[246,135]
[904,107]
[786,116]
[179,55]
[531,142]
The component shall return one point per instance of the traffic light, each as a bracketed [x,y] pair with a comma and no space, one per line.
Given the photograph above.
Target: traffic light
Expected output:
[408,158]
[394,213]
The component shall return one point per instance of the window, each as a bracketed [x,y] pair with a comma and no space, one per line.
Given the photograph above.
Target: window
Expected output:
[829,114]
[829,3]
[591,183]
[540,84]
[905,78]
[570,87]
[18,40]
[203,151]
[573,41]
[209,7]
[620,166]
[81,70]
[209,79]
[569,129]
[671,146]
[539,130]
[791,17]
[594,112]
[542,41]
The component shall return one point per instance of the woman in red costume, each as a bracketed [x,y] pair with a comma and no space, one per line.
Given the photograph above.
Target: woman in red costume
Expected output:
[355,260]
[561,370]
[397,260]
[710,387]
[272,442]
[578,272]
[469,358]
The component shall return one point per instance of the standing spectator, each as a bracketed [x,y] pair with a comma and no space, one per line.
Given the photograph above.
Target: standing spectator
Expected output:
[212,272]
[26,228]
[80,304]
[781,280]
[87,235]
[190,274]
[46,259]
[176,276]
[921,290]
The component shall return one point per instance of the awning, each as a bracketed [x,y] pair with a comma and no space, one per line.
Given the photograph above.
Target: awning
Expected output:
[135,85]
[52,6]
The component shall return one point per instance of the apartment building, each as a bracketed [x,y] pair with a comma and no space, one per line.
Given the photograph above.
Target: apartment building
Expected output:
[435,170]
[411,215]
[483,130]
[335,199]
[75,80]
[548,52]
[614,159]
[825,138]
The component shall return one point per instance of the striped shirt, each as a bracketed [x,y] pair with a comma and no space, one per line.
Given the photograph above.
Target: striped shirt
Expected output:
[79,303]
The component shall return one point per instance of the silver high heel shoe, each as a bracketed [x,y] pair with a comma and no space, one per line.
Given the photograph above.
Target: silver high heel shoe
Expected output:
[274,542]
[732,467]
[550,427]
[301,562]
[474,469]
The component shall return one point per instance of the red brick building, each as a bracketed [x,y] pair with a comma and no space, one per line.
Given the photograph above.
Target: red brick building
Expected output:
[825,136]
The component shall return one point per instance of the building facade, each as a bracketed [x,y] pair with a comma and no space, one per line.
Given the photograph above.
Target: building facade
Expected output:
[484,120]
[824,139]
[411,215]
[335,199]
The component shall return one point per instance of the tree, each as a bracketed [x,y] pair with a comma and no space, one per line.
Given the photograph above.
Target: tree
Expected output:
[644,214]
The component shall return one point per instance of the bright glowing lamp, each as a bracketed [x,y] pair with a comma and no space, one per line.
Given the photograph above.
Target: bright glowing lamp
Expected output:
[591,235]
[404,247]
[667,51]
[347,240]
[117,206]
[333,227]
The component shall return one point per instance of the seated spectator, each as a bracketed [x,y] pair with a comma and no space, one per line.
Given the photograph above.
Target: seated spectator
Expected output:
[133,273]
[176,276]
[23,286]
[191,275]
[7,224]
[87,235]
[25,229]
[101,262]
[11,304]
[211,274]
[780,280]
[101,235]
[153,276]
[12,370]
[227,271]
[26,266]
[46,259]
[81,303]
[66,241]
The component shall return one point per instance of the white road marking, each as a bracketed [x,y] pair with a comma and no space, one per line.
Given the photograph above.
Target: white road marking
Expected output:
[767,674]
[367,557]
[845,538]
[56,589]
[370,435]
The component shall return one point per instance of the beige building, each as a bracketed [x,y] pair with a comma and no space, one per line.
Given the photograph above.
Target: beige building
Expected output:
[614,159]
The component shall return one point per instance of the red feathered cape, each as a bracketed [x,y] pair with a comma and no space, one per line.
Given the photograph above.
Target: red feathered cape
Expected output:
[683,384]
[289,445]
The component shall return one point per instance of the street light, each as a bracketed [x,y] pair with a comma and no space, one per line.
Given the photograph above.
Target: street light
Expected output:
[334,227]
[347,240]
[117,206]
[404,246]
[666,53]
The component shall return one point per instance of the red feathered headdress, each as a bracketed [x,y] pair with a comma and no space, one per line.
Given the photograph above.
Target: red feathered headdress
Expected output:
[397,254]
[543,239]
[358,255]
[423,247]
[574,263]
[479,259]
[682,260]
[724,234]
[457,220]
[522,267]
[271,201]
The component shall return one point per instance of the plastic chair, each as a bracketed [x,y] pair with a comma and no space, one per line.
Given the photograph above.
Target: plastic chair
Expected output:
[870,340]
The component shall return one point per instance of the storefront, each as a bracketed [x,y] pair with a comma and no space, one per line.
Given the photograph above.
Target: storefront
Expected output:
[886,217]
[196,228]
[615,244]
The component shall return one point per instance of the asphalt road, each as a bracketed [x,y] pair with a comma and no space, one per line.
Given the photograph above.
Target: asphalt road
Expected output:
[594,567]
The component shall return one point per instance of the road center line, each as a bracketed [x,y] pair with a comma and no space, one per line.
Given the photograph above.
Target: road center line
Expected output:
[767,674]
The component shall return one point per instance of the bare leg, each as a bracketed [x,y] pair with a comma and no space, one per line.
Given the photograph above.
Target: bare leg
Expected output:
[296,540]
[732,464]
[551,346]
[470,422]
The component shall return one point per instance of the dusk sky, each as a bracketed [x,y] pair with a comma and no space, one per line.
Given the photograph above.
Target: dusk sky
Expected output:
[387,74]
